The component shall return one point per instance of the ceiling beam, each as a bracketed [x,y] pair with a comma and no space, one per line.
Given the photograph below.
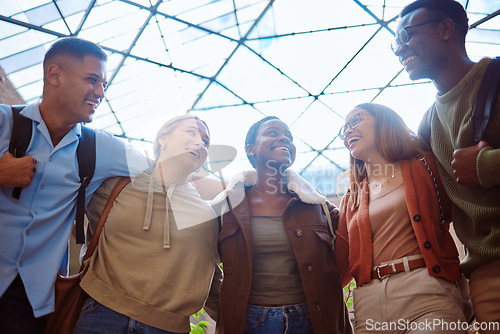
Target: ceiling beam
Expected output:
[240,42]
[484,19]
[31,26]
[85,16]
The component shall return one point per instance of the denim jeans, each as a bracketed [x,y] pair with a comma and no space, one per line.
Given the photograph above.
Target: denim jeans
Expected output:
[96,318]
[290,319]
[16,313]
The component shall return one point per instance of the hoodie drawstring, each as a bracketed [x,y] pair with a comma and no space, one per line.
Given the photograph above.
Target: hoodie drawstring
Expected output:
[149,206]
[166,223]
[149,213]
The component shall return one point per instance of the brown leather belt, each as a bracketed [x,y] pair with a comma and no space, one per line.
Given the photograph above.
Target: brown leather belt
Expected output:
[388,269]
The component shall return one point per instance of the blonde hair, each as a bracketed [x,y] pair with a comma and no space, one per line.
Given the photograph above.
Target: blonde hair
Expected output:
[169,127]
[394,140]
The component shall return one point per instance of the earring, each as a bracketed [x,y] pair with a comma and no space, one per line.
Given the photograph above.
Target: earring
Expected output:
[445,38]
[250,154]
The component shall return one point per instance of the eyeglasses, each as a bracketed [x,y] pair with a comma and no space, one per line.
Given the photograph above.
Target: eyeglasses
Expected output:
[352,123]
[402,37]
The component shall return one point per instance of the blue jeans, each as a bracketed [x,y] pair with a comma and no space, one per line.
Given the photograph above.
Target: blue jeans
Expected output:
[96,318]
[290,319]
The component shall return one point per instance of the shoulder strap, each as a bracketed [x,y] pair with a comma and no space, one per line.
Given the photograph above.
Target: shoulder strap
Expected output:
[122,182]
[330,225]
[486,99]
[86,164]
[222,211]
[424,129]
[20,138]
[328,217]
[19,142]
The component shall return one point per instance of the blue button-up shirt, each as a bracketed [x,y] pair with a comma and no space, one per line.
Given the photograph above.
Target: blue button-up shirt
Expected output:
[34,230]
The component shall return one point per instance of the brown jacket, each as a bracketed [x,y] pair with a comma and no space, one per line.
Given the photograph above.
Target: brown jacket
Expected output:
[307,229]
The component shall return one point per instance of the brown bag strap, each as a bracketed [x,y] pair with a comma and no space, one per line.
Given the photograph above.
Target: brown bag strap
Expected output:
[122,182]
[429,170]
[486,99]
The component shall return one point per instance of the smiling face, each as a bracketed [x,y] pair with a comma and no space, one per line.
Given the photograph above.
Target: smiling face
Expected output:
[361,141]
[187,144]
[80,86]
[273,145]
[425,52]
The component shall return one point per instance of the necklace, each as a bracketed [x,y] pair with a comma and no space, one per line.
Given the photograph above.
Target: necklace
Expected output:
[380,185]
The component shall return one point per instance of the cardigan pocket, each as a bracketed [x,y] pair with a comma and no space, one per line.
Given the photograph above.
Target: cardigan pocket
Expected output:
[228,241]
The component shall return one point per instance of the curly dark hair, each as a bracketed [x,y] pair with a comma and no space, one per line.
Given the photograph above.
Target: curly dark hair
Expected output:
[442,9]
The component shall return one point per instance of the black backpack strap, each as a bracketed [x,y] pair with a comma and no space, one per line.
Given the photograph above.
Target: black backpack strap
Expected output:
[20,138]
[486,99]
[86,164]
[424,129]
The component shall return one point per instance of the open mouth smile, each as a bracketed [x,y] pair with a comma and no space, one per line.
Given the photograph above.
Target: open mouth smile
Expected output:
[282,148]
[352,140]
[93,104]
[408,59]
[193,152]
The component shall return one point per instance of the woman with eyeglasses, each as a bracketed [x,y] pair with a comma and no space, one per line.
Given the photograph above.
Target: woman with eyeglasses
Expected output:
[276,244]
[393,236]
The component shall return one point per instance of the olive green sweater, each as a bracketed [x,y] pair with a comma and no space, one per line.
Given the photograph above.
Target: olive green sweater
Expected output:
[476,209]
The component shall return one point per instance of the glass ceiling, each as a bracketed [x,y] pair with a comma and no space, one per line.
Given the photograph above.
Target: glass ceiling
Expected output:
[232,62]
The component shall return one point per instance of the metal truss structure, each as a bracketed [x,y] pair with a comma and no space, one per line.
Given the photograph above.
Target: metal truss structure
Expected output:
[231,62]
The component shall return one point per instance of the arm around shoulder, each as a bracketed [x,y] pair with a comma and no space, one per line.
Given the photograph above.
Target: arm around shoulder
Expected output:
[117,158]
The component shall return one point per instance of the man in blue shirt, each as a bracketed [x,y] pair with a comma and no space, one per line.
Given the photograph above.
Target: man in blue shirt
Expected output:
[35,228]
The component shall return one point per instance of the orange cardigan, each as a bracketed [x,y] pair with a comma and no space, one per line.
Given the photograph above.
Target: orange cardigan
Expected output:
[353,247]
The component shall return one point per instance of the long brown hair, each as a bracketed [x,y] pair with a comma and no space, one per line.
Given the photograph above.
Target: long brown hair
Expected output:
[394,140]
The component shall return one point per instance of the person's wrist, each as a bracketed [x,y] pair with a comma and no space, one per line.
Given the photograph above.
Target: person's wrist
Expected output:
[486,167]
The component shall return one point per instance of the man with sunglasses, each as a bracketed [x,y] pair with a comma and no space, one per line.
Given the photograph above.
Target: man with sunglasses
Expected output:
[430,43]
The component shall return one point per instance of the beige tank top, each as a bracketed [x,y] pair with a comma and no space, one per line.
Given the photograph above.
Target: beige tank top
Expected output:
[275,276]
[392,234]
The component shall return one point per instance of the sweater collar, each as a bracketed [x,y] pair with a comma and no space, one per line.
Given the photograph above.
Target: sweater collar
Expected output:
[296,184]
[475,74]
